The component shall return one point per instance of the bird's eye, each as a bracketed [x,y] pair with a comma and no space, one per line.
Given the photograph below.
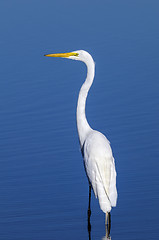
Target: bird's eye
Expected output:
[76,54]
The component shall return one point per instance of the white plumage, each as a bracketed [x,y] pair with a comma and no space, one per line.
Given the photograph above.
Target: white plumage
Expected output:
[100,168]
[97,153]
[96,150]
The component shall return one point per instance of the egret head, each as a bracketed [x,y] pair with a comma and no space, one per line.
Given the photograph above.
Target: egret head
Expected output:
[79,55]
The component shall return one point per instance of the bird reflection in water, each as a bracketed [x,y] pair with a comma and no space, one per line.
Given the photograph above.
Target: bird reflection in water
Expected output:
[106,238]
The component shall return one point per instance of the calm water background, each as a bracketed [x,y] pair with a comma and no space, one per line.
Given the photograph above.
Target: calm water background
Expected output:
[43,187]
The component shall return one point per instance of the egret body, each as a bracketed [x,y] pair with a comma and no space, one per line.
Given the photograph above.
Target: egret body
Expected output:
[95,147]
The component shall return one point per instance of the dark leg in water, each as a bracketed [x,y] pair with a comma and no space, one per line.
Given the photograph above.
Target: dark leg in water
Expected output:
[108,224]
[89,209]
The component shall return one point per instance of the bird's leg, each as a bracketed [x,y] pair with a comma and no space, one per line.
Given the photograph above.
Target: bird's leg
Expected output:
[89,204]
[89,209]
[107,224]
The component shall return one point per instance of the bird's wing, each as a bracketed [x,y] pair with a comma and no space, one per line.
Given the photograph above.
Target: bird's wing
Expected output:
[107,172]
[104,171]
[99,178]
[100,169]
[102,176]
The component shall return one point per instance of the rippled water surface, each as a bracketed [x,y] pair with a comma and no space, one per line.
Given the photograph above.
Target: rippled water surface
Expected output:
[43,187]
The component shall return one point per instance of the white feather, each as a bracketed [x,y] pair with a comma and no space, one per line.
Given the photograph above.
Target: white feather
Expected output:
[98,158]
[100,169]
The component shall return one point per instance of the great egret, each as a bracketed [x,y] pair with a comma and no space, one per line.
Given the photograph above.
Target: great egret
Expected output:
[95,147]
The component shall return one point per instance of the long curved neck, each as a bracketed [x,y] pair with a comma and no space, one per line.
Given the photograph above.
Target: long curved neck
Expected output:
[82,124]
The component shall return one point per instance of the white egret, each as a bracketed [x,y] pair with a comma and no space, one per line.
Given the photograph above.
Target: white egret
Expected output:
[95,147]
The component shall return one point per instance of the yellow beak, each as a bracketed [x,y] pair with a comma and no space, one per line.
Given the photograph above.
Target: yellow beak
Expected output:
[63,55]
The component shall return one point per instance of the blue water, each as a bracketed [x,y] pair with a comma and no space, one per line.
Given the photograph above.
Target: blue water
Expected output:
[43,187]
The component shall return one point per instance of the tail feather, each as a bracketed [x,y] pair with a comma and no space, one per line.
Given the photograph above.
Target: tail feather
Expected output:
[104,201]
[112,188]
